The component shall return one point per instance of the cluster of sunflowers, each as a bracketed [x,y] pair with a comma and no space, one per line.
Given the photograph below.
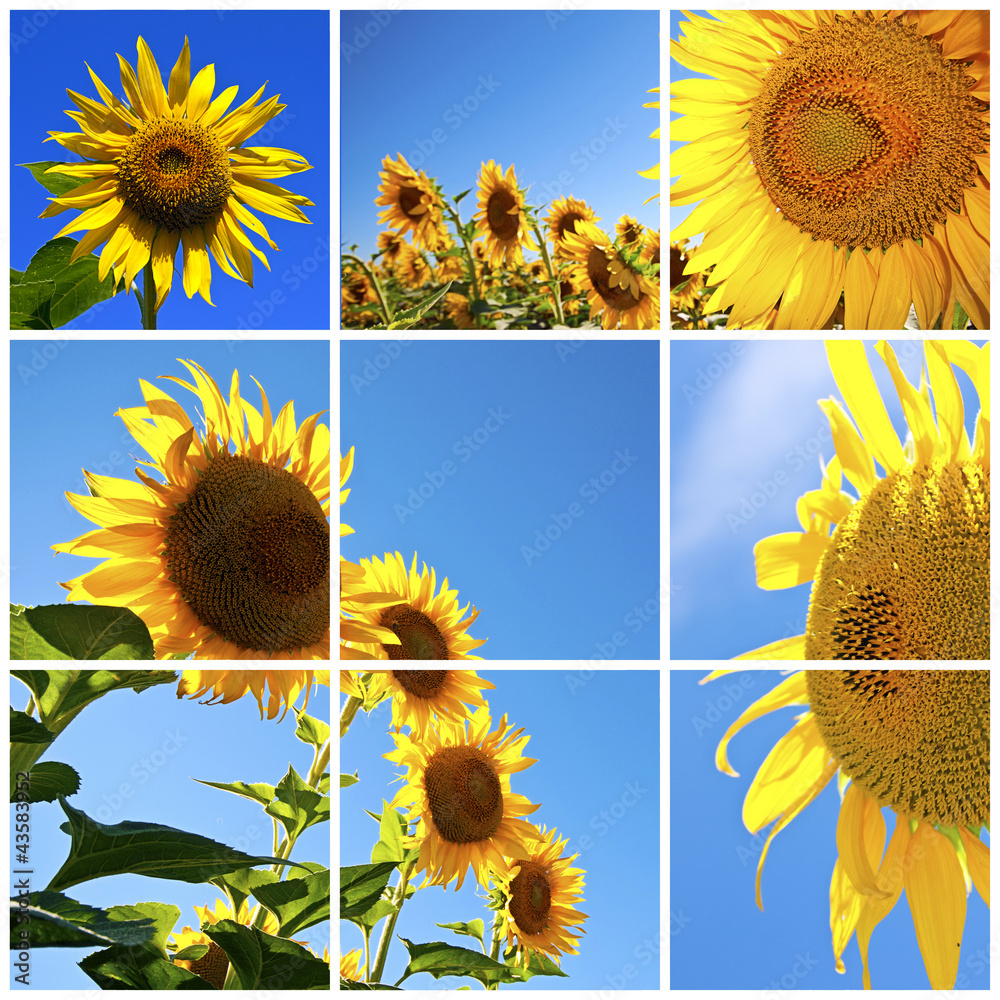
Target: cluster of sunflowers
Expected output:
[390,613]
[478,276]
[457,790]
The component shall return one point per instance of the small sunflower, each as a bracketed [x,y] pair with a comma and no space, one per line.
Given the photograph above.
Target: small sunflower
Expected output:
[229,556]
[501,217]
[541,892]
[168,168]
[413,203]
[412,267]
[423,697]
[356,290]
[563,215]
[653,174]
[229,685]
[630,231]
[457,308]
[352,966]
[914,741]
[428,623]
[458,786]
[451,268]
[390,244]
[905,574]
[618,291]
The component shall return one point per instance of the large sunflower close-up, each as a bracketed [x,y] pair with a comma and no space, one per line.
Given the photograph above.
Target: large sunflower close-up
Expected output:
[837,160]
[168,171]
[902,570]
[914,743]
[222,543]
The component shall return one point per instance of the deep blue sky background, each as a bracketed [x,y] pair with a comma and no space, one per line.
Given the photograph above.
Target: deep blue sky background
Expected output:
[567,411]
[740,422]
[723,940]
[247,47]
[595,736]
[155,744]
[66,412]
[557,76]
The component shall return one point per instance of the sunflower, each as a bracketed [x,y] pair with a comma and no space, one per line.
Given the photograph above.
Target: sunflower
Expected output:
[229,557]
[356,290]
[618,290]
[413,203]
[653,174]
[420,697]
[428,623]
[685,289]
[501,217]
[450,268]
[837,152]
[541,892]
[168,168]
[563,215]
[457,308]
[458,786]
[390,244]
[352,966]
[346,467]
[629,231]
[412,268]
[905,575]
[913,741]
[229,685]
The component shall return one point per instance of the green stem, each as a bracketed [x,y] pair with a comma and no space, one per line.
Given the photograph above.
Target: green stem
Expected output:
[556,296]
[495,948]
[398,898]
[148,297]
[383,302]
[473,278]
[367,931]
[347,715]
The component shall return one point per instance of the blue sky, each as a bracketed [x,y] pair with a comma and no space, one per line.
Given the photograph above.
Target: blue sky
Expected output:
[137,755]
[595,735]
[64,395]
[247,48]
[557,93]
[527,472]
[719,939]
[746,436]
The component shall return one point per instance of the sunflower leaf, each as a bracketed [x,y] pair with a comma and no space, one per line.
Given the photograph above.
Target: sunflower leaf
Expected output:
[392,828]
[372,916]
[56,182]
[261,793]
[361,887]
[474,928]
[52,920]
[79,632]
[48,780]
[242,883]
[120,968]
[192,952]
[25,729]
[459,197]
[263,962]
[440,959]
[297,902]
[538,965]
[346,780]
[296,805]
[144,849]
[404,320]
[310,730]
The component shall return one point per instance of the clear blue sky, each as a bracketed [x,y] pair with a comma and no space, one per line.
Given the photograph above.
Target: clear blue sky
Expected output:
[66,413]
[247,47]
[543,419]
[154,744]
[744,426]
[719,939]
[595,736]
[550,82]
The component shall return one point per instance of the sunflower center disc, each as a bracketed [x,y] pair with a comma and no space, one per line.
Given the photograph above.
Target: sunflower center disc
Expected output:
[502,223]
[409,200]
[906,575]
[175,173]
[600,277]
[419,637]
[864,134]
[249,551]
[421,683]
[530,897]
[466,800]
[915,740]
[212,966]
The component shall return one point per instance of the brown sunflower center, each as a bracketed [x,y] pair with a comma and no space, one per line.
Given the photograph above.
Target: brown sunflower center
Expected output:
[212,966]
[600,278]
[917,741]
[530,897]
[906,574]
[249,551]
[175,173]
[419,637]
[409,201]
[466,800]
[421,683]
[503,224]
[677,262]
[864,134]
[567,223]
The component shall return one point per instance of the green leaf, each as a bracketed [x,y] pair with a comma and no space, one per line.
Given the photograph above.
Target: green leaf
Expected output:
[297,806]
[392,828]
[15,276]
[440,959]
[192,952]
[52,920]
[120,968]
[474,928]
[371,917]
[404,320]
[323,785]
[242,883]
[25,729]
[538,965]
[55,182]
[350,984]
[313,731]
[78,632]
[264,962]
[361,887]
[346,780]
[144,849]
[48,781]
[459,197]
[259,793]
[53,291]
[297,902]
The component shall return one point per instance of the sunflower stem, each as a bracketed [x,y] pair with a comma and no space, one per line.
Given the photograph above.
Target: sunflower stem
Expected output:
[398,898]
[148,297]
[556,296]
[383,302]
[347,715]
[473,279]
